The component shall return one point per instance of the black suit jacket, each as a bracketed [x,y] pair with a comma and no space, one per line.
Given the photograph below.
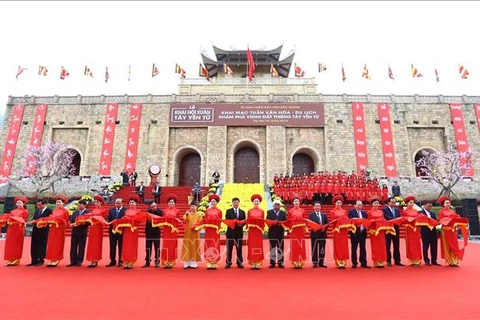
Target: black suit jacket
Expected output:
[425,231]
[37,215]
[318,234]
[237,232]
[387,214]
[354,214]
[112,216]
[276,232]
[157,190]
[83,229]
[396,190]
[150,231]
[141,190]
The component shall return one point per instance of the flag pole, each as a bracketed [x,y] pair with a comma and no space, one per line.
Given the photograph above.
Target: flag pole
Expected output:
[247,79]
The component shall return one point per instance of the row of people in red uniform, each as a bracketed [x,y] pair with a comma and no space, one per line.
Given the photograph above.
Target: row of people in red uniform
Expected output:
[324,177]
[381,225]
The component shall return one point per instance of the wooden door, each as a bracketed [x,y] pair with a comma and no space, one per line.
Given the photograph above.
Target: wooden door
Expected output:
[189,170]
[247,166]
[302,163]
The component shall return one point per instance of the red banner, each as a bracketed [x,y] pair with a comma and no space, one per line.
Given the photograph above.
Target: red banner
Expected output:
[477,115]
[387,140]
[37,133]
[132,137]
[359,136]
[108,137]
[461,136]
[11,143]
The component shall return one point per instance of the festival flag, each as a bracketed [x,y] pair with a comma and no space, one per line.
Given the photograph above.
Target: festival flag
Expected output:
[155,71]
[129,71]
[322,67]
[273,71]
[227,70]
[88,72]
[20,71]
[436,75]
[390,73]
[251,65]
[42,70]
[107,76]
[180,71]
[203,72]
[344,77]
[463,72]
[365,73]
[299,73]
[64,73]
[415,73]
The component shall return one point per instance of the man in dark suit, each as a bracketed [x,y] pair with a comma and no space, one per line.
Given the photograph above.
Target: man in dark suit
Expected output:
[115,238]
[141,192]
[318,238]
[389,213]
[157,191]
[152,237]
[38,247]
[78,239]
[395,189]
[275,235]
[359,238]
[235,236]
[429,237]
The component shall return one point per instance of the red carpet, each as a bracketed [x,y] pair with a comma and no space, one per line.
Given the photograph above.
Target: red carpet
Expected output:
[114,293]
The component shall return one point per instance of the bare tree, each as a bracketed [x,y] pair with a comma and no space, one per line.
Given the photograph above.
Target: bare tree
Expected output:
[47,164]
[447,168]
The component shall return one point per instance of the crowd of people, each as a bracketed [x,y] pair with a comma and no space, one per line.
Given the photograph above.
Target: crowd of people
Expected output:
[48,237]
[324,185]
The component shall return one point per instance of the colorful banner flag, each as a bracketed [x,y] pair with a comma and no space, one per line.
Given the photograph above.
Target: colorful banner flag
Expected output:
[180,71]
[251,64]
[299,73]
[436,75]
[360,136]
[42,70]
[227,70]
[344,77]
[132,136]
[88,72]
[203,72]
[322,67]
[365,73]
[463,72]
[108,138]
[390,73]
[273,71]
[107,75]
[37,134]
[387,140]
[64,73]
[20,71]
[155,71]
[461,137]
[415,73]
[11,142]
[477,115]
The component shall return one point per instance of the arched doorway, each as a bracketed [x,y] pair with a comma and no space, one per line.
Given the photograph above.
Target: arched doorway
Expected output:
[418,156]
[247,166]
[189,169]
[302,163]
[76,162]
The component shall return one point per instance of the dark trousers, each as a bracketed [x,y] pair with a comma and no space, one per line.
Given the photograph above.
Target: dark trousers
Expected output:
[429,240]
[359,239]
[38,247]
[237,243]
[152,241]
[156,198]
[77,245]
[115,241]
[276,250]
[396,247]
[318,249]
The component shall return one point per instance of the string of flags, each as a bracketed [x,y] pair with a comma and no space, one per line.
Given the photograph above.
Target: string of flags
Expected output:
[203,71]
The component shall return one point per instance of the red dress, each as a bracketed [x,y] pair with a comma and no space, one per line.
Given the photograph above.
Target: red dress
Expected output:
[255,237]
[297,238]
[450,249]
[95,235]
[56,236]
[168,252]
[212,221]
[340,236]
[15,236]
[412,237]
[129,223]
[378,228]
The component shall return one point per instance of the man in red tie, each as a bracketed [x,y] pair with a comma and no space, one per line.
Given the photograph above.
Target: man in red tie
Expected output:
[359,238]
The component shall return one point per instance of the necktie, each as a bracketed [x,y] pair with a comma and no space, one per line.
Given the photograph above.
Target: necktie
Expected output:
[81,212]
[118,213]
[319,217]
[359,213]
[276,213]
[428,214]
[236,213]
[393,212]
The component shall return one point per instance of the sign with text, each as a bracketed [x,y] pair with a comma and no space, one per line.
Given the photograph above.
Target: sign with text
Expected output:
[37,133]
[360,136]
[132,137]
[461,138]
[387,140]
[108,137]
[11,143]
[272,114]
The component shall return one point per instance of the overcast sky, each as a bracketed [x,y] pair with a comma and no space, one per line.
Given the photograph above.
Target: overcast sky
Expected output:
[116,34]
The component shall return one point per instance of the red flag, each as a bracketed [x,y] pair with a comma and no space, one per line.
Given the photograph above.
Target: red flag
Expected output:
[343,74]
[463,72]
[63,73]
[20,71]
[390,73]
[251,65]
[299,73]
[203,72]
[107,76]
[436,75]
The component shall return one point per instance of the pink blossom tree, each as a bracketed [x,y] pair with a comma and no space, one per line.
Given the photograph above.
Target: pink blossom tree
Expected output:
[447,168]
[47,164]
